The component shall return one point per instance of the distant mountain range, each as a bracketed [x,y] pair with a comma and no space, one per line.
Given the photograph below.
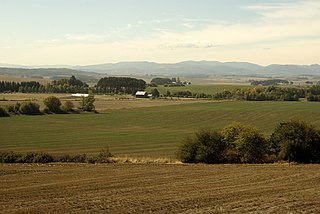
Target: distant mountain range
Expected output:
[201,68]
[186,69]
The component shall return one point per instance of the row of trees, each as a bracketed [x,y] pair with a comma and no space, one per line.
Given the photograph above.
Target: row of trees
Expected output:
[271,93]
[53,105]
[71,85]
[293,141]
[131,85]
[167,82]
[104,156]
[271,82]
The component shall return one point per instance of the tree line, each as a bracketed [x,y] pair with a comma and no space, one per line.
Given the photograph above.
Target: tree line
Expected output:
[127,85]
[71,85]
[270,93]
[293,141]
[52,104]
[104,156]
[112,85]
[271,82]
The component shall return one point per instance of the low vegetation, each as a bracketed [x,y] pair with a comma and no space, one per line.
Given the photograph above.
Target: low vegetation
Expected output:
[29,108]
[52,106]
[271,82]
[104,156]
[3,112]
[293,141]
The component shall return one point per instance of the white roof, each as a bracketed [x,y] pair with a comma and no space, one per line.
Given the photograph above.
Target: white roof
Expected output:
[141,93]
[79,95]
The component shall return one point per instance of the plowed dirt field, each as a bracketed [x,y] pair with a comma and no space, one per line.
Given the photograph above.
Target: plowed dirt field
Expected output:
[159,188]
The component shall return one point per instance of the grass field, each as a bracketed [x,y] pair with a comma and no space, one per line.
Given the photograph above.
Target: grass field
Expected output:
[154,188]
[145,131]
[207,89]
[102,102]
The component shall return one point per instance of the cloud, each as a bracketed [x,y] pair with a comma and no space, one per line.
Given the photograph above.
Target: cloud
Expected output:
[305,9]
[282,33]
[187,25]
[189,45]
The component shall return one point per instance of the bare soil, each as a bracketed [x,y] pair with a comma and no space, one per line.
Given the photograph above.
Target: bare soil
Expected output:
[159,188]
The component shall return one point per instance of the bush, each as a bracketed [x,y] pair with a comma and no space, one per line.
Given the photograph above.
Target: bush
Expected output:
[30,157]
[14,108]
[86,103]
[53,104]
[296,141]
[245,143]
[188,151]
[3,112]
[204,147]
[155,93]
[68,106]
[7,157]
[43,158]
[29,108]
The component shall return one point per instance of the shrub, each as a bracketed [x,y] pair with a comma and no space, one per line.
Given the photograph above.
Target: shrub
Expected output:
[53,104]
[7,157]
[155,93]
[14,108]
[68,106]
[43,158]
[203,147]
[86,103]
[245,143]
[29,108]
[251,146]
[296,141]
[3,112]
[188,151]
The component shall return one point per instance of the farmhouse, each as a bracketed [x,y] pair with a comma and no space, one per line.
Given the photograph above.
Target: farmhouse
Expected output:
[141,94]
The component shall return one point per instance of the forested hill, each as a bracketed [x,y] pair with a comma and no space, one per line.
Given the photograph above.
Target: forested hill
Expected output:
[202,69]
[52,73]
[182,69]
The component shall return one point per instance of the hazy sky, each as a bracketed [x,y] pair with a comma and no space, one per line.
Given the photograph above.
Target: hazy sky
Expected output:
[79,32]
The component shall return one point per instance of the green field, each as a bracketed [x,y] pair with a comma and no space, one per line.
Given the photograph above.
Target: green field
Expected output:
[145,131]
[207,89]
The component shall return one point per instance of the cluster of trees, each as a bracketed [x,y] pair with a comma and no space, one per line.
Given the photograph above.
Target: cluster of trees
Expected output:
[117,85]
[293,141]
[71,85]
[270,82]
[271,93]
[167,82]
[160,81]
[27,108]
[313,94]
[53,105]
[31,86]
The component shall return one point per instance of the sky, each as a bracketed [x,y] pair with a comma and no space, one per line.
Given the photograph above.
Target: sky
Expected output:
[85,32]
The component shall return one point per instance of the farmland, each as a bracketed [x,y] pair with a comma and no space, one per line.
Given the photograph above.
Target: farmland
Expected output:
[207,89]
[176,188]
[145,131]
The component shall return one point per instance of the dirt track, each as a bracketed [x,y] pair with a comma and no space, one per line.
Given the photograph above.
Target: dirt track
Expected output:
[159,188]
